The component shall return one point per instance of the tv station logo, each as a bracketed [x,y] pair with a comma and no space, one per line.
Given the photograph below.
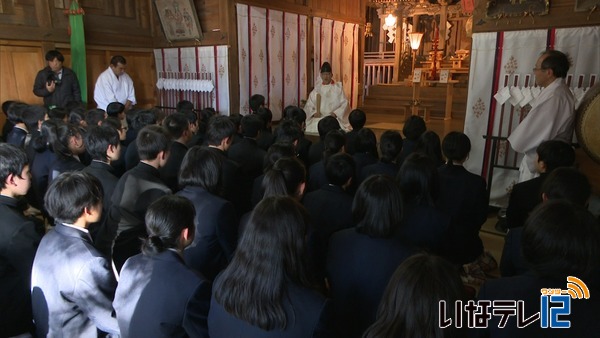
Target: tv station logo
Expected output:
[555,306]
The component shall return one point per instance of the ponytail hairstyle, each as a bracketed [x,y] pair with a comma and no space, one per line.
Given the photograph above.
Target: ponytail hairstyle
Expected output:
[64,133]
[165,219]
[46,137]
[285,178]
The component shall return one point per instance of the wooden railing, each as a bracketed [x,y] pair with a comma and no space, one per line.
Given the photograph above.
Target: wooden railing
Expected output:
[378,69]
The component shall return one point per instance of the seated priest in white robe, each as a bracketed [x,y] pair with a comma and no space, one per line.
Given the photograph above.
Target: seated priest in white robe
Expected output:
[327,98]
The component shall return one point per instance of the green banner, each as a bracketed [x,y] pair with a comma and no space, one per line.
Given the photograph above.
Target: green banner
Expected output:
[78,56]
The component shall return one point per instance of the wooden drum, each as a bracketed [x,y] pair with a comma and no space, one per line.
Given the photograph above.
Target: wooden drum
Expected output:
[587,125]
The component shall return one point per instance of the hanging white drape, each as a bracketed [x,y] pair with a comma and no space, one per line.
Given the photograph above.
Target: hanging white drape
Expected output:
[197,74]
[272,57]
[500,80]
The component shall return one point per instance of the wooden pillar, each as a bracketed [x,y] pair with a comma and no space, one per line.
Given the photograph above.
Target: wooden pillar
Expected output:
[398,45]
[442,26]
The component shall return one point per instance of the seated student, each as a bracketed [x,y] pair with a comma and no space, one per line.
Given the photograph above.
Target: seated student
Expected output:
[390,146]
[19,131]
[256,102]
[67,146]
[135,191]
[95,117]
[184,106]
[289,131]
[104,146]
[361,260]
[425,225]
[562,183]
[333,143]
[357,119]
[19,240]
[526,195]
[365,150]
[411,301]
[140,120]
[266,291]
[118,164]
[216,219]
[8,124]
[276,151]
[464,197]
[237,122]
[324,126]
[178,126]
[560,239]
[58,114]
[204,117]
[413,128]
[72,283]
[247,153]
[330,207]
[298,115]
[158,295]
[33,116]
[430,145]
[219,136]
[42,160]
[266,137]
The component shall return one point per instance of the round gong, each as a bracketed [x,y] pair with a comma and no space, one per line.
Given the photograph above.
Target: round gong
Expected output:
[587,126]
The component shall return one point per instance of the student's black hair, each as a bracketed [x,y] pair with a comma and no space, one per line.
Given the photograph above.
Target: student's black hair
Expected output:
[333,143]
[419,180]
[390,145]
[288,131]
[159,115]
[6,106]
[568,184]
[219,128]
[12,161]
[184,106]
[54,54]
[558,61]
[114,109]
[255,102]
[430,145]
[237,122]
[294,113]
[70,193]
[118,59]
[276,151]
[76,115]
[202,167]
[456,146]
[284,178]
[357,119]
[266,116]
[414,127]
[57,113]
[94,116]
[15,112]
[60,144]
[327,124]
[32,115]
[410,303]
[377,208]
[165,219]
[191,116]
[176,124]
[114,123]
[252,124]
[339,168]
[143,118]
[366,142]
[270,255]
[151,140]
[98,138]
[560,239]
[555,154]
[47,136]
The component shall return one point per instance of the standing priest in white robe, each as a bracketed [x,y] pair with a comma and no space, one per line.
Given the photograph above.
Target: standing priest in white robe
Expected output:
[114,85]
[327,98]
[552,114]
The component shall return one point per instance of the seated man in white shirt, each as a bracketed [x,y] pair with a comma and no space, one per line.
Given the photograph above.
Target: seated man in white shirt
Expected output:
[114,85]
[327,98]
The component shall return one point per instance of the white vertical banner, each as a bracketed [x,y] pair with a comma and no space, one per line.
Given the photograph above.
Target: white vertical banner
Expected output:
[221,79]
[337,53]
[258,52]
[291,60]
[275,53]
[582,45]
[243,56]
[317,39]
[347,62]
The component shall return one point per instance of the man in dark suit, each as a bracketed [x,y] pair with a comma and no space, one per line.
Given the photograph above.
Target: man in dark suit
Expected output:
[526,195]
[246,152]
[72,283]
[58,85]
[18,243]
[219,136]
[178,126]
